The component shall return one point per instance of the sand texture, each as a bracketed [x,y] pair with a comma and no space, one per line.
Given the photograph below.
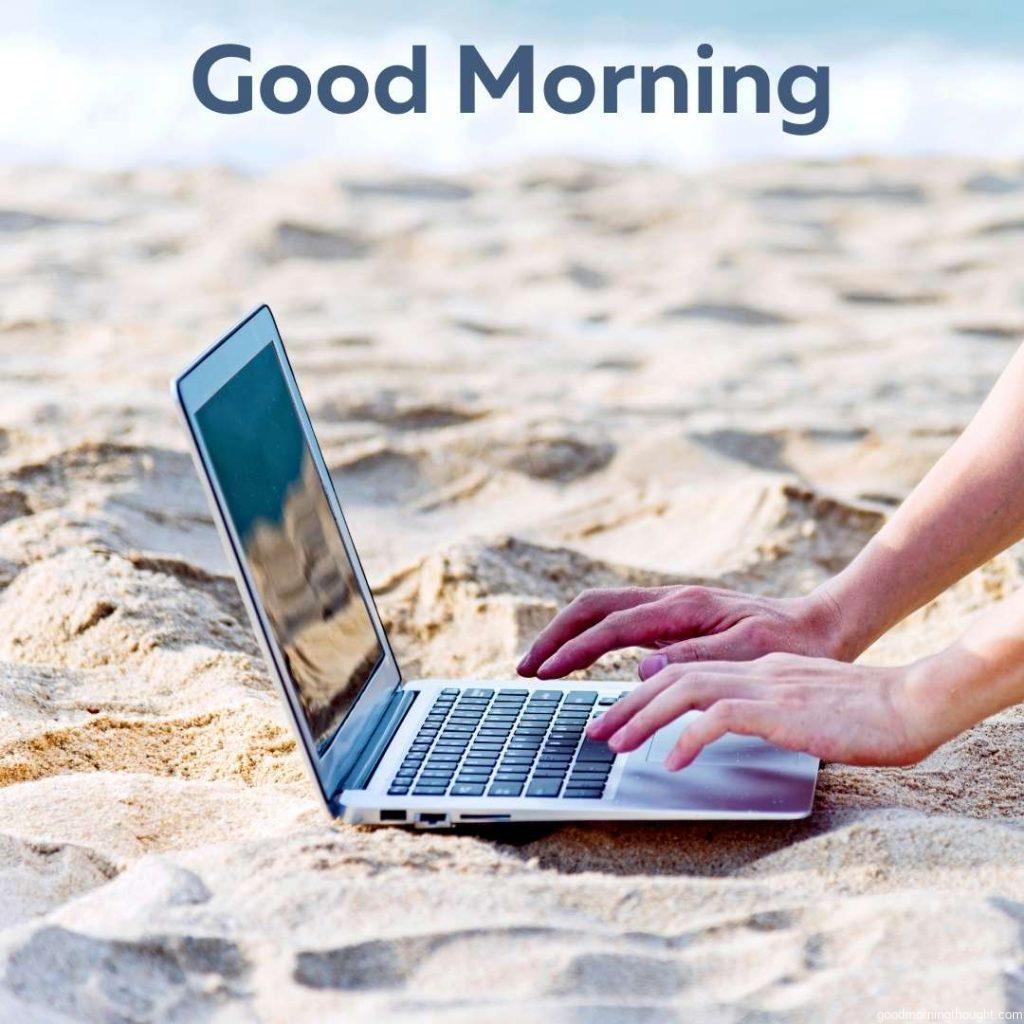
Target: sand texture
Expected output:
[526,382]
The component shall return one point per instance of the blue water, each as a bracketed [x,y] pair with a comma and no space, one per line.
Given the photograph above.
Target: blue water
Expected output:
[109,84]
[975,23]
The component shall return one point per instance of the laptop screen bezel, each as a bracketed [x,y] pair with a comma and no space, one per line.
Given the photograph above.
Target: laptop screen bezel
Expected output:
[195,386]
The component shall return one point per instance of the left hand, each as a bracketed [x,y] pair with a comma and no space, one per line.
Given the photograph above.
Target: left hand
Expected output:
[855,714]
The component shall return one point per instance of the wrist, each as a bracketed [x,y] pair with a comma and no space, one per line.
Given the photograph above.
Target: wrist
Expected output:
[939,696]
[854,609]
[983,672]
[823,620]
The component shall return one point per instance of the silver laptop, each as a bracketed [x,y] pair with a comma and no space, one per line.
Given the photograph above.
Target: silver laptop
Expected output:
[426,752]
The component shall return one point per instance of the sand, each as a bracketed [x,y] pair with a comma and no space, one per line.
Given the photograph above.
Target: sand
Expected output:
[527,381]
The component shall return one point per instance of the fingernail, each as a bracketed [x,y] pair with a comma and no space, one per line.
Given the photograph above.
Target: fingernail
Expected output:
[652,664]
[595,723]
[521,667]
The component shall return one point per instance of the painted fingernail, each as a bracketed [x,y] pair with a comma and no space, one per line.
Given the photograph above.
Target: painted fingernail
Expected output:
[652,665]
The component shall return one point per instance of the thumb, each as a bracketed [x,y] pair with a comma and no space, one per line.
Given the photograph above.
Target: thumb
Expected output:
[720,647]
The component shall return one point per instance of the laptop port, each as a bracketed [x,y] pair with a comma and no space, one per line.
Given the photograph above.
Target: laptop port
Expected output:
[392,816]
[432,819]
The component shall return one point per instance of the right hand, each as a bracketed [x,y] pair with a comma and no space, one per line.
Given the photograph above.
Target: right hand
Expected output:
[685,624]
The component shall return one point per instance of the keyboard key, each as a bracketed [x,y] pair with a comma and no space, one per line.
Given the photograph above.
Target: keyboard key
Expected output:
[518,758]
[579,793]
[592,768]
[513,693]
[505,789]
[478,691]
[429,791]
[510,776]
[476,778]
[549,773]
[585,781]
[544,787]
[606,701]
[547,695]
[398,790]
[595,750]
[450,691]
[581,697]
[468,789]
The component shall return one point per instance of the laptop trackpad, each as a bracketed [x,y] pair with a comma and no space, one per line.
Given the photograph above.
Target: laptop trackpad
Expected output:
[730,749]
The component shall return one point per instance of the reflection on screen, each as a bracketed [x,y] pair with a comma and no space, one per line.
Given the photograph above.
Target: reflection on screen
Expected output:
[291,542]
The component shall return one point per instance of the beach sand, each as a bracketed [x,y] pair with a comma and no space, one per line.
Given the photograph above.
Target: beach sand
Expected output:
[526,381]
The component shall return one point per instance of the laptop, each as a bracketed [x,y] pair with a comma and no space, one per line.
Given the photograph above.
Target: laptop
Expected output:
[432,753]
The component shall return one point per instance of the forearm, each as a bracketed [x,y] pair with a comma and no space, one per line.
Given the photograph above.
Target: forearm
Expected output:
[967,509]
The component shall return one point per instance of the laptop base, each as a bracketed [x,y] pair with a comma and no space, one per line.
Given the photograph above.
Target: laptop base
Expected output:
[490,740]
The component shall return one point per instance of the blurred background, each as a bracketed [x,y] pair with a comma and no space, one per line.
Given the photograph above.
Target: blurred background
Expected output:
[109,84]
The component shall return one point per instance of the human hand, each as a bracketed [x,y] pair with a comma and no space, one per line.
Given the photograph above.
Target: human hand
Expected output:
[854,714]
[687,624]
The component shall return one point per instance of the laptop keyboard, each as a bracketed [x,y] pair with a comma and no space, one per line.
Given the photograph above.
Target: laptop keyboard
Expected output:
[509,743]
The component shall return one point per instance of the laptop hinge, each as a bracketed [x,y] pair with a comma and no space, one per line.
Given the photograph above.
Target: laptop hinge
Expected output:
[370,756]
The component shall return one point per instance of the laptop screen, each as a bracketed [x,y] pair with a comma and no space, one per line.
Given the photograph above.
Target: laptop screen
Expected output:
[290,540]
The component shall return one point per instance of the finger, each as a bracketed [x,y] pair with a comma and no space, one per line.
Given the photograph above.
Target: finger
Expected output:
[699,693]
[588,608]
[745,717]
[621,711]
[726,646]
[626,627]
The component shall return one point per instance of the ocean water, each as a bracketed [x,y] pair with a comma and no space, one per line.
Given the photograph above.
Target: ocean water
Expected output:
[109,84]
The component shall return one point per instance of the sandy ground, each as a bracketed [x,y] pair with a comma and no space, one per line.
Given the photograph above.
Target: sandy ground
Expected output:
[527,382]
